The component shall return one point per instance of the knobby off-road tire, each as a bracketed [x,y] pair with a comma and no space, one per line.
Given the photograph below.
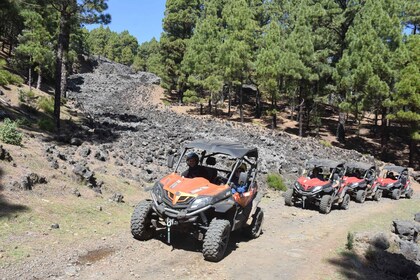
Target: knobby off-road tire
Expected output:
[346,202]
[378,195]
[216,240]
[141,225]
[255,229]
[360,196]
[409,194]
[325,204]
[288,197]
[396,193]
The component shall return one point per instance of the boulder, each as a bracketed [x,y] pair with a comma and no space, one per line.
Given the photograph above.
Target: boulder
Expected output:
[5,155]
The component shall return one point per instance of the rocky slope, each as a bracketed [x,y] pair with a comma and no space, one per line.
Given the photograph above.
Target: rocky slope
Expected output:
[123,118]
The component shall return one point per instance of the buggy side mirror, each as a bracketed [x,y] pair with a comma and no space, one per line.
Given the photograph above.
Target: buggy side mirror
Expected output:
[171,160]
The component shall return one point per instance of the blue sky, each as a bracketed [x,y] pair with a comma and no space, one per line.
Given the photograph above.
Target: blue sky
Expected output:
[142,18]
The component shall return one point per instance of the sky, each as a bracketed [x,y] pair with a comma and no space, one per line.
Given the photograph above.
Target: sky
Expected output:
[142,18]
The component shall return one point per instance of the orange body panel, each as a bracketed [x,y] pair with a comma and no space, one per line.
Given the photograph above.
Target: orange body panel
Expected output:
[180,188]
[245,198]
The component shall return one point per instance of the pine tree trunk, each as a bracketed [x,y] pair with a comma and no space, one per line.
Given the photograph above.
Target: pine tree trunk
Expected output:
[38,83]
[59,86]
[210,106]
[301,117]
[241,109]
[30,78]
[413,150]
[257,104]
[384,130]
[229,98]
[341,128]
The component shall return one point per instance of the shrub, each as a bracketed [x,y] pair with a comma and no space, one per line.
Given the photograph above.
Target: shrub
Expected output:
[350,241]
[26,96]
[275,181]
[46,124]
[9,133]
[8,78]
[46,104]
[325,143]
[190,96]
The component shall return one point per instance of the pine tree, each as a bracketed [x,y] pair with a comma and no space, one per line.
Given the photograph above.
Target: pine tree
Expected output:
[367,70]
[200,62]
[72,12]
[178,26]
[34,45]
[405,102]
[237,52]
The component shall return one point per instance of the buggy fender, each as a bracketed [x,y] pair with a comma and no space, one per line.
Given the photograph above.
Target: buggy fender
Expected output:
[223,206]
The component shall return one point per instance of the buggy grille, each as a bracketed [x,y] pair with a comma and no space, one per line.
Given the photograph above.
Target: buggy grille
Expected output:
[183,201]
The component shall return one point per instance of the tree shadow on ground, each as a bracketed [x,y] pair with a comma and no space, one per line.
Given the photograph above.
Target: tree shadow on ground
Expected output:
[377,264]
[8,209]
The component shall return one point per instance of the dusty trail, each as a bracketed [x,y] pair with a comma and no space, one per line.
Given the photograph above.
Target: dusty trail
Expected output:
[295,245]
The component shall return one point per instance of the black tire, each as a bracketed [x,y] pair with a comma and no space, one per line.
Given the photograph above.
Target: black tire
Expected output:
[346,202]
[255,229]
[141,225]
[216,240]
[288,197]
[325,204]
[396,193]
[361,196]
[378,195]
[409,194]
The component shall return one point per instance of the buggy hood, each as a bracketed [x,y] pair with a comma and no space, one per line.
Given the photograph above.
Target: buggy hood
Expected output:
[307,183]
[177,185]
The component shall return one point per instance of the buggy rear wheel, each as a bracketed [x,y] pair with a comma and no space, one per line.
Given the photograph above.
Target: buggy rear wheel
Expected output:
[255,229]
[409,194]
[288,197]
[325,204]
[141,223]
[216,240]
[378,195]
[346,202]
[396,193]
[361,196]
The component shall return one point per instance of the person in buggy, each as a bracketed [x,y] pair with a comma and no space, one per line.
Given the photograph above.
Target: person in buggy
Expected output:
[194,170]
[316,173]
[238,186]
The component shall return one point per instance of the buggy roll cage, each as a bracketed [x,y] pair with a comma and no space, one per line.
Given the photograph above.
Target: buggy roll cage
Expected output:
[210,148]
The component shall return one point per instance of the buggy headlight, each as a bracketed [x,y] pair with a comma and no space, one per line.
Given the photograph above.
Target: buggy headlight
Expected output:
[354,185]
[389,185]
[200,202]
[157,192]
[317,188]
[297,185]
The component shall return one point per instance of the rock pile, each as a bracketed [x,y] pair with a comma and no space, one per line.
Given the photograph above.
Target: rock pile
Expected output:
[138,134]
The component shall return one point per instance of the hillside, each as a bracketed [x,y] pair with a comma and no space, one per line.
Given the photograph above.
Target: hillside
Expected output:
[66,199]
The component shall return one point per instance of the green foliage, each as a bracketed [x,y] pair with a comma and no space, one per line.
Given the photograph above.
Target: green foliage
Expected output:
[26,96]
[46,104]
[350,241]
[119,47]
[325,143]
[46,124]
[275,181]
[6,77]
[9,133]
[178,27]
[190,96]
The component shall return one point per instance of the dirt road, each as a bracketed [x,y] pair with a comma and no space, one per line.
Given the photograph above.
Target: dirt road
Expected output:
[296,244]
